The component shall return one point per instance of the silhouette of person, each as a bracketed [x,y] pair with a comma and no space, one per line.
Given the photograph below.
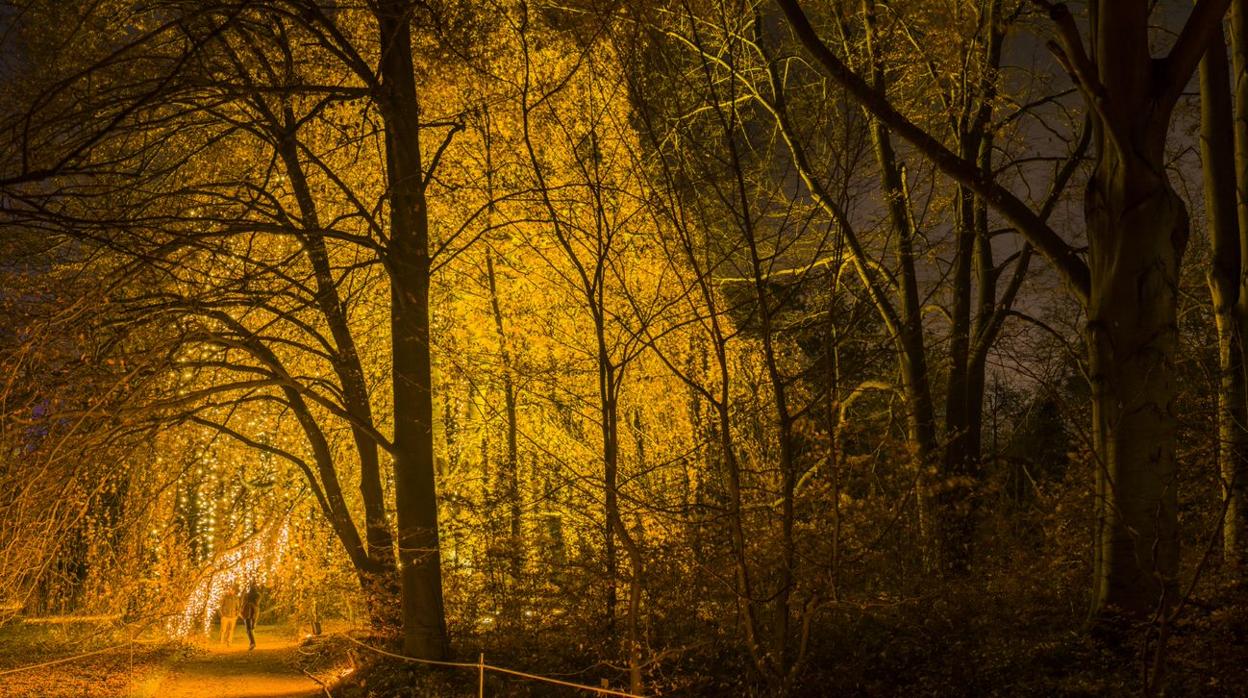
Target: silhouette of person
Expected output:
[251,612]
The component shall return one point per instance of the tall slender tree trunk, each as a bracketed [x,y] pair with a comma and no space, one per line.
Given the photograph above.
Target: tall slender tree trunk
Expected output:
[608,376]
[379,582]
[971,333]
[747,602]
[509,475]
[959,469]
[782,613]
[911,344]
[420,560]
[323,480]
[1218,159]
[1235,471]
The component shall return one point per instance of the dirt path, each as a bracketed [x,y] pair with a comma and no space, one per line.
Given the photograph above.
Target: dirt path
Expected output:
[269,671]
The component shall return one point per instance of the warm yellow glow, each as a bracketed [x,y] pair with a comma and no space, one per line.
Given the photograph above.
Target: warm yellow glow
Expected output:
[249,564]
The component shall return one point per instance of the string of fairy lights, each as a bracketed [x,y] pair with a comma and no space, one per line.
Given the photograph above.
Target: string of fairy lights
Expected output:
[219,496]
[247,565]
[215,500]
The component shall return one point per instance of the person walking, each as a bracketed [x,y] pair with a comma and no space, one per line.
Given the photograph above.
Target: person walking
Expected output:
[229,610]
[251,612]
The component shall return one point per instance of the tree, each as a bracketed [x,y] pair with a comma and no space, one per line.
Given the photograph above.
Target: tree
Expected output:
[1224,153]
[977,288]
[408,256]
[1137,233]
[264,80]
[598,215]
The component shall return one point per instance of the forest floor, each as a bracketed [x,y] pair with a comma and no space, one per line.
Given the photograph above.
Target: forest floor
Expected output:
[75,661]
[272,670]
[162,669]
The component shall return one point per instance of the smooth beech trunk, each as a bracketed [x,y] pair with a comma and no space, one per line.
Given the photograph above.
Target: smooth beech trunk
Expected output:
[420,559]
[1218,158]
[1137,230]
[1234,468]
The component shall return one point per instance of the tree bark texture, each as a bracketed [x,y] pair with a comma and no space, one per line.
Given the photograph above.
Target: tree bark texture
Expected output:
[420,560]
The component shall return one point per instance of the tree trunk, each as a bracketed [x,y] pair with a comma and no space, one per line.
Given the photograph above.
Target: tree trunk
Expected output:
[911,344]
[509,476]
[959,470]
[379,584]
[782,659]
[611,506]
[615,528]
[1232,438]
[971,334]
[1137,229]
[420,560]
[323,482]
[1235,528]
[1218,159]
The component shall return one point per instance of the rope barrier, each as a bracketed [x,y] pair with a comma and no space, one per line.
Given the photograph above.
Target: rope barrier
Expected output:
[63,660]
[66,620]
[479,665]
[482,667]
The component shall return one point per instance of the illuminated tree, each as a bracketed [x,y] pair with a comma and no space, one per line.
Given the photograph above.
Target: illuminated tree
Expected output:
[592,225]
[219,227]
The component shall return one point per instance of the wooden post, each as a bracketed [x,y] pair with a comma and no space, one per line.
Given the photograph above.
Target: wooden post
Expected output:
[481,675]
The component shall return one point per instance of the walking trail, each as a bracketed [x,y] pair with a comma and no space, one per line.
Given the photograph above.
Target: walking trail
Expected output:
[269,671]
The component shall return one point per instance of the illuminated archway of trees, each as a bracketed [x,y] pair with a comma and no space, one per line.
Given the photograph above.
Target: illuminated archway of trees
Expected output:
[666,331]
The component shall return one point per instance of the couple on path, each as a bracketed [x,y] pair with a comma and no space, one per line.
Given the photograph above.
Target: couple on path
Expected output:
[233,608]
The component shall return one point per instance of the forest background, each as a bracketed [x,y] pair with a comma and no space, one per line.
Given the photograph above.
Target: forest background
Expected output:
[716,345]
